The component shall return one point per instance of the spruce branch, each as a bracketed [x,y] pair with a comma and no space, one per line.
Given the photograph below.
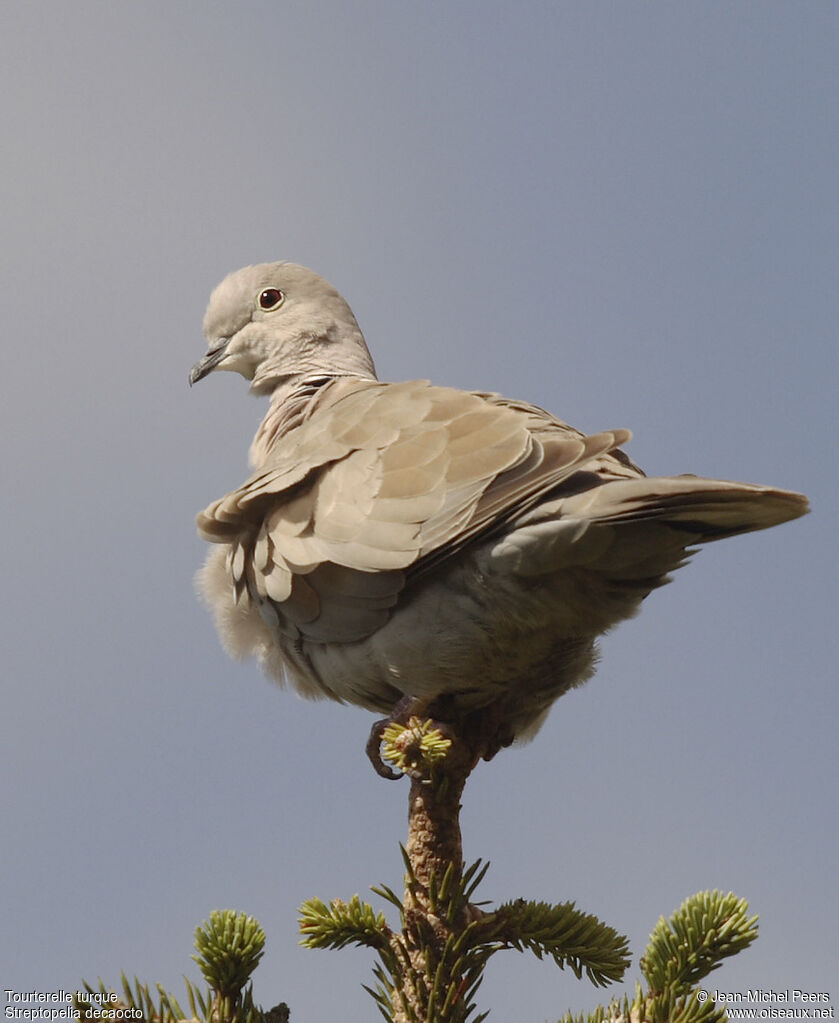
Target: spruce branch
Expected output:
[416,747]
[563,932]
[430,970]
[228,948]
[163,1009]
[342,923]
[434,967]
[707,928]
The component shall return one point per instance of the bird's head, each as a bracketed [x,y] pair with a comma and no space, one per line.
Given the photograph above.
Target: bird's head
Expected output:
[279,321]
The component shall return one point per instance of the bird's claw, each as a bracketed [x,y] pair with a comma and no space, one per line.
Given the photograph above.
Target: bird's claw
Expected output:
[485,731]
[405,708]
[374,752]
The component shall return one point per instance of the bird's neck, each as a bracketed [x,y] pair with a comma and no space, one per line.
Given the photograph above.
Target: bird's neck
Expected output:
[330,348]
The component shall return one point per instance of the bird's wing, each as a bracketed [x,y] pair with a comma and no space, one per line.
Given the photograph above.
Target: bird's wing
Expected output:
[384,479]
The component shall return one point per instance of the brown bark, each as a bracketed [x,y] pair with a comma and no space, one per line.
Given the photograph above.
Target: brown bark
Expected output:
[434,847]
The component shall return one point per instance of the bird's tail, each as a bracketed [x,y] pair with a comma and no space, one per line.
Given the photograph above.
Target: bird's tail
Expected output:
[703,508]
[635,531]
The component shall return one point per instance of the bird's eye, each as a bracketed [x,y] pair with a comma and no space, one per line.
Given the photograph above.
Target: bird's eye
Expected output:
[269,299]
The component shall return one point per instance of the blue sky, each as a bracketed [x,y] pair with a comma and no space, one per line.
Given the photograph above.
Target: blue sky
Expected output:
[623,212]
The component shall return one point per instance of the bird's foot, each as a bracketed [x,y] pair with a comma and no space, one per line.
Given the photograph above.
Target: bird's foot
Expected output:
[405,709]
[487,731]
[483,732]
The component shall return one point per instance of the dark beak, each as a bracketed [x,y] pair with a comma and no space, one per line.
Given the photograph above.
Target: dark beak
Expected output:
[209,362]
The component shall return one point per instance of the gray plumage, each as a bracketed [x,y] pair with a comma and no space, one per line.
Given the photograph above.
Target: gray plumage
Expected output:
[407,539]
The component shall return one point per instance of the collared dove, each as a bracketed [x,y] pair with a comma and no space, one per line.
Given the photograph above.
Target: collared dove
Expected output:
[409,540]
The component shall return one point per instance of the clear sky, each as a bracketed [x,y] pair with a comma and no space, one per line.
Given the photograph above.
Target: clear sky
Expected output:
[625,212]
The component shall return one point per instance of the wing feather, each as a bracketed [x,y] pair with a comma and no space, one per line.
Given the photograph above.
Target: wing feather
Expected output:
[378,480]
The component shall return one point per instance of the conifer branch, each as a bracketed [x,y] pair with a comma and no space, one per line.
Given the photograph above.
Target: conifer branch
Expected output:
[228,950]
[343,923]
[569,936]
[431,968]
[707,928]
[416,747]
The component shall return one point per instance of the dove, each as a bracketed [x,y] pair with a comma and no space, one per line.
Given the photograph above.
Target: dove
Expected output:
[409,546]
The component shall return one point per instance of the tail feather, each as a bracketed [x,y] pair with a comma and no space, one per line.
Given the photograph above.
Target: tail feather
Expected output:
[635,531]
[706,509]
